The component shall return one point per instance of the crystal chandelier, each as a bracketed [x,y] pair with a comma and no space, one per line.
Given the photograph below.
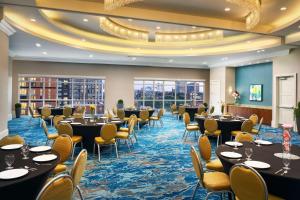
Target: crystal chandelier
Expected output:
[113,4]
[254,7]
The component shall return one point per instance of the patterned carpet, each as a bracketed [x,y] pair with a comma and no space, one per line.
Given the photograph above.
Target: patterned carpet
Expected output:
[159,166]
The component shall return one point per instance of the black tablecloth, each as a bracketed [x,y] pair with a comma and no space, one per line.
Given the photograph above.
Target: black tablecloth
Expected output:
[225,125]
[192,111]
[29,186]
[55,111]
[88,130]
[136,112]
[286,186]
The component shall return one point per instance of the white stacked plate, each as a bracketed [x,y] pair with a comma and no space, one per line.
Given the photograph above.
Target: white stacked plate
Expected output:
[11,146]
[13,173]
[117,121]
[75,123]
[234,144]
[263,142]
[87,117]
[230,154]
[44,158]
[70,118]
[40,149]
[236,120]
[104,117]
[100,123]
[65,121]
[257,164]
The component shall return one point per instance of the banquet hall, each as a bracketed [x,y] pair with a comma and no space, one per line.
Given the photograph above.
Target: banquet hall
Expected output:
[149,99]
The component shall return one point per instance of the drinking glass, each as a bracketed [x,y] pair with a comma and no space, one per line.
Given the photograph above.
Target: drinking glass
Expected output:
[9,160]
[25,152]
[286,160]
[248,152]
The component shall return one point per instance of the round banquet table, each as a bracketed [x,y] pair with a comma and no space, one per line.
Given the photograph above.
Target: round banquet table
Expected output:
[55,111]
[225,125]
[285,186]
[89,130]
[136,112]
[192,111]
[28,186]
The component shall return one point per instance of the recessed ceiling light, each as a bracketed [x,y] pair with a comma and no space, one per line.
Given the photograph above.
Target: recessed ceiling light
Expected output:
[133,58]
[91,55]
[267,60]
[130,20]
[191,48]
[44,52]
[85,20]
[158,27]
[33,20]
[204,63]
[83,40]
[227,9]
[194,27]
[283,8]
[248,41]
[171,60]
[299,26]
[38,45]
[225,58]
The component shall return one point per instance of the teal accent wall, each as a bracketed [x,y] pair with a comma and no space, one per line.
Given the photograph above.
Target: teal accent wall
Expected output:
[254,74]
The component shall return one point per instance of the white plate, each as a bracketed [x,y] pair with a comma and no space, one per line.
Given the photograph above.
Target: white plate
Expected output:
[233,144]
[75,123]
[115,121]
[12,146]
[263,142]
[70,118]
[291,156]
[45,158]
[104,117]
[13,173]
[40,149]
[87,117]
[230,154]
[100,123]
[235,120]
[65,121]
[257,164]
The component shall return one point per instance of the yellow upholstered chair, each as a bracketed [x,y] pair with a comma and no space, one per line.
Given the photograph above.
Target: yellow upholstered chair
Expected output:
[46,114]
[189,127]
[256,131]
[248,184]
[254,119]
[79,112]
[211,129]
[63,145]
[157,118]
[246,127]
[133,118]
[174,110]
[200,110]
[49,136]
[205,152]
[144,118]
[67,112]
[78,170]
[66,128]
[121,115]
[214,182]
[181,111]
[244,137]
[16,139]
[107,137]
[33,114]
[57,119]
[126,135]
[60,187]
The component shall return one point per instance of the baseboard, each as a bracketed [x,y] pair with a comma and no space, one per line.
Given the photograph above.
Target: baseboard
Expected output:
[3,133]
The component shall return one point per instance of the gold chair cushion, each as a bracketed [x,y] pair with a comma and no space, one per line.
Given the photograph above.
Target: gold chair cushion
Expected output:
[254,131]
[124,129]
[100,140]
[122,135]
[154,118]
[76,138]
[192,128]
[60,168]
[215,165]
[216,181]
[52,136]
[216,133]
[234,133]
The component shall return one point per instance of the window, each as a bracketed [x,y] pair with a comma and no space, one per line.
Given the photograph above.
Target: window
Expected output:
[162,94]
[53,91]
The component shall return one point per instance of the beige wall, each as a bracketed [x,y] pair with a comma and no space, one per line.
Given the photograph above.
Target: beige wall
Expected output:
[4,41]
[119,79]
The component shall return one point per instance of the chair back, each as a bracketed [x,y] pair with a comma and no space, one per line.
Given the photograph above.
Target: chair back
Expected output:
[200,110]
[63,145]
[67,111]
[79,167]
[197,164]
[121,113]
[114,110]
[247,126]
[173,107]
[45,128]
[60,187]
[212,110]
[46,112]
[108,132]
[210,125]
[57,119]
[247,183]
[131,127]
[181,110]
[31,111]
[186,118]
[144,115]
[134,118]
[260,124]
[160,113]
[254,119]
[16,139]
[244,137]
[65,128]
[204,147]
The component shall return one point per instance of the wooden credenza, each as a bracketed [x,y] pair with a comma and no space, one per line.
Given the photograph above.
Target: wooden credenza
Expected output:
[246,111]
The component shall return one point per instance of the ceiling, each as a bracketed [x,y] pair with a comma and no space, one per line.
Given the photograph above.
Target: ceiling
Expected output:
[77,36]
